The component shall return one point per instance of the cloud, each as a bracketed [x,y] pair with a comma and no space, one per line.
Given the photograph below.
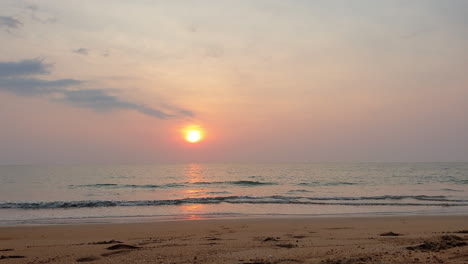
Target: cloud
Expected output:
[32,86]
[34,15]
[22,68]
[16,77]
[33,8]
[100,100]
[9,23]
[178,110]
[185,112]
[81,51]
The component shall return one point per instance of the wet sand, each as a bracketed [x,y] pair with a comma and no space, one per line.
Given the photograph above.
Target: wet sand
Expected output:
[396,239]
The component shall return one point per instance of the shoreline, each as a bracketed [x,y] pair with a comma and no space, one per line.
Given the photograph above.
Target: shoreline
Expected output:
[332,240]
[215,216]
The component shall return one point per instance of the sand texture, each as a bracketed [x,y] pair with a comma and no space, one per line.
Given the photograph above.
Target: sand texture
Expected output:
[416,239]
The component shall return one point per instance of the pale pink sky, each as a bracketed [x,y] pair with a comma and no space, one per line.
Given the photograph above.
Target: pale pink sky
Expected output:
[269,81]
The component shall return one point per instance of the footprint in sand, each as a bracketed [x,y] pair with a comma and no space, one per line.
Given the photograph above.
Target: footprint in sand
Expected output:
[213,238]
[288,245]
[119,249]
[121,246]
[299,236]
[441,243]
[266,239]
[9,257]
[390,234]
[105,242]
[288,261]
[113,253]
[87,259]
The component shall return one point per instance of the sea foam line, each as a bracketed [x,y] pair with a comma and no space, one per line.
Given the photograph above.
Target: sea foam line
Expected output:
[351,201]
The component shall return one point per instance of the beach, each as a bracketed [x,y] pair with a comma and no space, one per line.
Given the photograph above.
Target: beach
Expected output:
[372,239]
[235,213]
[239,132]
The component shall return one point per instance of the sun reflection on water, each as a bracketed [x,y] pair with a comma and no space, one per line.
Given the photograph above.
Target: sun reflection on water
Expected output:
[193,174]
[192,211]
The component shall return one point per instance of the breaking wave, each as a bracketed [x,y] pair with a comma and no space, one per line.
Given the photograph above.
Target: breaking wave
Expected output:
[386,200]
[172,185]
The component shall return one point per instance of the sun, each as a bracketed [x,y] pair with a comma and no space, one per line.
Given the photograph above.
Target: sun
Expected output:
[193,134]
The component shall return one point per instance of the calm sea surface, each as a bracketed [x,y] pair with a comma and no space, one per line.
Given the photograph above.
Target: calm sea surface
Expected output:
[125,193]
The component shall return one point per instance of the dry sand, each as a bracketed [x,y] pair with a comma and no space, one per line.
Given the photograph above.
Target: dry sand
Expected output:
[428,239]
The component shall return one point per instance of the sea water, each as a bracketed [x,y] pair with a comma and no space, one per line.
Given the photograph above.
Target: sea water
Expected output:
[126,193]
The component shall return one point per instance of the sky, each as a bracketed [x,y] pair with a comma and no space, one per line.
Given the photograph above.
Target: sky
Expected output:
[266,80]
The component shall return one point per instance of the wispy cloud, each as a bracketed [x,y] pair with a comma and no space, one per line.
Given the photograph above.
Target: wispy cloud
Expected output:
[100,100]
[9,23]
[18,78]
[23,67]
[34,15]
[33,86]
[81,51]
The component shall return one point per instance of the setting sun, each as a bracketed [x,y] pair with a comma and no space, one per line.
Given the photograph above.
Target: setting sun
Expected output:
[193,134]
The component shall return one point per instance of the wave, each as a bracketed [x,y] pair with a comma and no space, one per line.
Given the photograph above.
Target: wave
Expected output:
[171,185]
[221,192]
[451,190]
[436,198]
[243,183]
[419,200]
[134,186]
[300,190]
[325,183]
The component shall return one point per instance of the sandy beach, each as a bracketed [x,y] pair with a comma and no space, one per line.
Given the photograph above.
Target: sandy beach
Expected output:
[392,239]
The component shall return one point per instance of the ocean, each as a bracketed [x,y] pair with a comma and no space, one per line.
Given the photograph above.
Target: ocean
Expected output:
[129,193]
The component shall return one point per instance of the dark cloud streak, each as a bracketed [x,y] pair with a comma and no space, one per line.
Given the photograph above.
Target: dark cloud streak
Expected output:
[22,68]
[32,86]
[100,100]
[15,77]
[9,22]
